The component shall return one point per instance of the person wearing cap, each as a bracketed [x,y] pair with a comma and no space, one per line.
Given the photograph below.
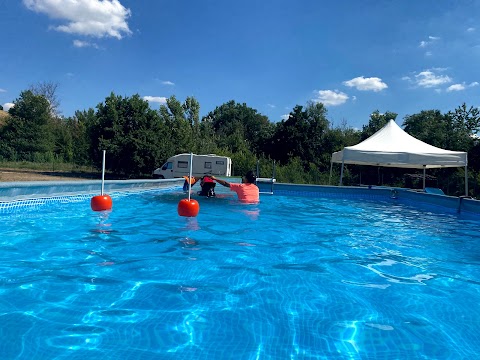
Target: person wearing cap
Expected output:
[247,191]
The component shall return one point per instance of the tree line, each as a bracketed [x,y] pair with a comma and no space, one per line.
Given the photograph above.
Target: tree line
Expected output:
[139,139]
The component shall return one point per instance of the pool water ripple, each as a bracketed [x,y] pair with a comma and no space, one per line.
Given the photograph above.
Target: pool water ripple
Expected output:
[295,278]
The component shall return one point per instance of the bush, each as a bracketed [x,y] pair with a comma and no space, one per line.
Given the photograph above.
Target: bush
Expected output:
[242,162]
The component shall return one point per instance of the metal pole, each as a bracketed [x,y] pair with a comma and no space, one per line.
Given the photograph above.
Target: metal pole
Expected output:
[330,178]
[273,176]
[103,171]
[341,174]
[190,177]
[466,181]
[258,168]
[424,171]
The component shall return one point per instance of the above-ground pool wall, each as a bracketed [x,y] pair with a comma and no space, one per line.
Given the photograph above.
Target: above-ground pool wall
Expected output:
[452,203]
[325,191]
[457,204]
[12,191]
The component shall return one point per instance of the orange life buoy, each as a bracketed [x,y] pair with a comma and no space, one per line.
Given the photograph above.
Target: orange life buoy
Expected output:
[192,179]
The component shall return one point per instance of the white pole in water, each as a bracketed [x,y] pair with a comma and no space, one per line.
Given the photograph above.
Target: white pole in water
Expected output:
[190,178]
[103,171]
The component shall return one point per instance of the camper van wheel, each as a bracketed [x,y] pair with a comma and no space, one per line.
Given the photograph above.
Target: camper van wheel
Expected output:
[155,176]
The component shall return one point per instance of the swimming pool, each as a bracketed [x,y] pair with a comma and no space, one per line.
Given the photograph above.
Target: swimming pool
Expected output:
[289,278]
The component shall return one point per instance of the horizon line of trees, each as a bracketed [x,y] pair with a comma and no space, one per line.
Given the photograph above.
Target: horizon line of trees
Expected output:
[139,139]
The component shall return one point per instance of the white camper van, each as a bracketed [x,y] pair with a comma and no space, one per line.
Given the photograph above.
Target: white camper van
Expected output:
[179,165]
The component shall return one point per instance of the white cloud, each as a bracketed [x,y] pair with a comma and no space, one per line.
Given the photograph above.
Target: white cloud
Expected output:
[329,97]
[431,39]
[366,84]
[271,106]
[285,116]
[156,99]
[3,90]
[456,87]
[8,106]
[471,29]
[460,87]
[428,53]
[166,82]
[82,44]
[96,18]
[429,78]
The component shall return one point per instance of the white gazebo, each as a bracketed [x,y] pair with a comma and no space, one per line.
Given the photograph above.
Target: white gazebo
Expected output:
[393,147]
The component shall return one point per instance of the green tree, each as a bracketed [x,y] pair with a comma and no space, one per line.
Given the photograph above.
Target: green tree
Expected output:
[462,125]
[130,132]
[63,148]
[239,128]
[79,127]
[301,136]
[452,131]
[462,135]
[206,142]
[191,109]
[180,120]
[49,91]
[376,122]
[28,132]
[429,126]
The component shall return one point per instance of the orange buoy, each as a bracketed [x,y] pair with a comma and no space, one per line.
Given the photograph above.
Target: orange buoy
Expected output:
[101,203]
[188,207]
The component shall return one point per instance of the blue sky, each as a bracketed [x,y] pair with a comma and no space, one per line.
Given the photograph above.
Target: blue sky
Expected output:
[402,56]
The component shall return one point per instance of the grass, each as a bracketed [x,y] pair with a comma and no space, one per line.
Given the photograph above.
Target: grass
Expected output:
[27,165]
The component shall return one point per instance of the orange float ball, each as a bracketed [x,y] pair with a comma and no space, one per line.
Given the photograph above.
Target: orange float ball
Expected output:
[101,202]
[188,208]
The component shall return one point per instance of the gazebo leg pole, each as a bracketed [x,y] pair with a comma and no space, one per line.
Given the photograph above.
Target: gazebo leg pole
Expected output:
[424,171]
[466,181]
[331,168]
[341,175]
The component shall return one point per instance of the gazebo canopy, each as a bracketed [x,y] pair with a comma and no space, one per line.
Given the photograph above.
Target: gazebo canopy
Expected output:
[393,147]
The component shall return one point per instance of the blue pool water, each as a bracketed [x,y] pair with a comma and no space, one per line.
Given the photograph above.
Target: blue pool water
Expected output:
[289,278]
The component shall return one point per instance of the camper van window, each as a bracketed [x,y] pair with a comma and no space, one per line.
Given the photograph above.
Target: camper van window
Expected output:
[167,166]
[208,165]
[220,162]
[183,164]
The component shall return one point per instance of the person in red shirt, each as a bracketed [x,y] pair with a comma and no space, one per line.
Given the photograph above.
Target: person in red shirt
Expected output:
[247,191]
[206,182]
